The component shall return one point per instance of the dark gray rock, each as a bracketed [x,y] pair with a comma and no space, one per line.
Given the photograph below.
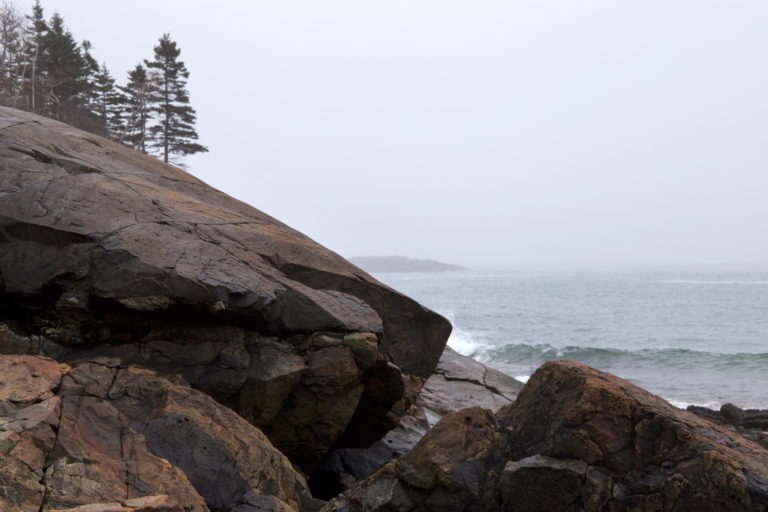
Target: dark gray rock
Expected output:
[108,253]
[458,382]
[87,222]
[576,439]
[751,424]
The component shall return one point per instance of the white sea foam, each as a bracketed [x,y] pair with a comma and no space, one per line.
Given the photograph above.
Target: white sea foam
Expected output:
[715,405]
[684,405]
[522,378]
[662,336]
[463,343]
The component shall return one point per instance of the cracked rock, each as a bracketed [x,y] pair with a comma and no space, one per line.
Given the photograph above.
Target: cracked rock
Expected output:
[100,436]
[575,439]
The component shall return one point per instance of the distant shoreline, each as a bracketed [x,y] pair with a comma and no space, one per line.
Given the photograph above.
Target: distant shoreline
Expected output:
[402,264]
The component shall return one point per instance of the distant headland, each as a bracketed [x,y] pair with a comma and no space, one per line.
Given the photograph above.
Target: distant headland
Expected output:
[401,264]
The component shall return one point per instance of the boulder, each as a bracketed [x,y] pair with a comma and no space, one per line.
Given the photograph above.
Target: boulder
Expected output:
[458,382]
[105,252]
[61,450]
[575,439]
[101,436]
[451,468]
[641,452]
[751,424]
[88,222]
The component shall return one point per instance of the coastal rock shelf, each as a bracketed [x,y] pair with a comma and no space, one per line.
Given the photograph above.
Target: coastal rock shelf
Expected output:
[575,439]
[166,348]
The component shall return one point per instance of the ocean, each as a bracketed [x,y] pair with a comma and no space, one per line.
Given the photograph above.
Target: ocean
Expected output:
[691,338]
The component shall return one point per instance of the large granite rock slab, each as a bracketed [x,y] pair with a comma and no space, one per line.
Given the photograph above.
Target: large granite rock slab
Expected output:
[105,252]
[86,219]
[575,439]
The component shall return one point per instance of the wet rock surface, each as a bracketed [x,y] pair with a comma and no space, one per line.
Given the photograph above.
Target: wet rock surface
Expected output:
[751,424]
[575,439]
[460,381]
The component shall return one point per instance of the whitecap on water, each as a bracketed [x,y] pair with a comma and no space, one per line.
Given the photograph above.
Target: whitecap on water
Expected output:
[684,405]
[462,342]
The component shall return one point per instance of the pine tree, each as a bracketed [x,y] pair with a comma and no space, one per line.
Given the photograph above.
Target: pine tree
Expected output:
[34,78]
[65,68]
[89,95]
[175,132]
[135,109]
[107,102]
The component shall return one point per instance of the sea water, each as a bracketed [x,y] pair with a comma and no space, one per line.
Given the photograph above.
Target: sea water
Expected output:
[691,338]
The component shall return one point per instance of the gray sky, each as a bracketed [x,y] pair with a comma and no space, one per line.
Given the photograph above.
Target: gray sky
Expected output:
[521,134]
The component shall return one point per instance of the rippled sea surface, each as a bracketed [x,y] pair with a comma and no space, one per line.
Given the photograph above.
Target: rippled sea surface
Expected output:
[690,338]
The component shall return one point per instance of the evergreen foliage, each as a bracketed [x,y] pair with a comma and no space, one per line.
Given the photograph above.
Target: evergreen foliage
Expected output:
[136,98]
[108,102]
[35,36]
[174,134]
[43,69]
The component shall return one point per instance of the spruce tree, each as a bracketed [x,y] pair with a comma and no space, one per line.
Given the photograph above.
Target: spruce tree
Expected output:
[65,68]
[91,69]
[107,102]
[174,134]
[34,78]
[134,113]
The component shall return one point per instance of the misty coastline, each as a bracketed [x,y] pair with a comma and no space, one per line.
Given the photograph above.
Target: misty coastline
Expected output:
[402,265]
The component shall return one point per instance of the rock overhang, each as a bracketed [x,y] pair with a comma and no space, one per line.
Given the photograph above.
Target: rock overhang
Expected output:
[87,216]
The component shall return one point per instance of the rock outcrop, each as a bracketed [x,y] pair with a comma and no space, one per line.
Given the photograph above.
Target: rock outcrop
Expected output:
[751,424]
[447,470]
[458,382]
[637,450]
[103,435]
[575,439]
[62,449]
[108,253]
[170,349]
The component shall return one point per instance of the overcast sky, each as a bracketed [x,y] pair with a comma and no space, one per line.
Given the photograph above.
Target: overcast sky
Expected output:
[520,134]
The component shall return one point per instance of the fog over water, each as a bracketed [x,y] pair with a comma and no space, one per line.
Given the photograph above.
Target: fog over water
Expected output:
[520,134]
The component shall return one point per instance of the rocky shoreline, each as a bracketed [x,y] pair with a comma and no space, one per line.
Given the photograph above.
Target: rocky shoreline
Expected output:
[164,347]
